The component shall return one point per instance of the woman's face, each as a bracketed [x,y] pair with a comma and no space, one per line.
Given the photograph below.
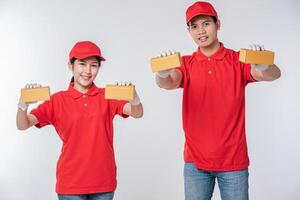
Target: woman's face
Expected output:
[84,72]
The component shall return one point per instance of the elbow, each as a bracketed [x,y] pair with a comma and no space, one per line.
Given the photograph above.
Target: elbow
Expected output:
[278,75]
[138,115]
[275,76]
[21,128]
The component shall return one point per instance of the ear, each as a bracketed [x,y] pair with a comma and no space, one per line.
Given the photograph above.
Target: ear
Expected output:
[218,24]
[70,66]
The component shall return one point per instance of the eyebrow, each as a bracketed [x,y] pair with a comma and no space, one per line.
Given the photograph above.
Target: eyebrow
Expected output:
[202,21]
[83,60]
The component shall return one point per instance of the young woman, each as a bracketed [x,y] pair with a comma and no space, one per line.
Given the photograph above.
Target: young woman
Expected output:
[83,120]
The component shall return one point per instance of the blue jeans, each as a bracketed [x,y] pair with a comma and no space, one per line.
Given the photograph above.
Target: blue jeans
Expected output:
[199,184]
[97,196]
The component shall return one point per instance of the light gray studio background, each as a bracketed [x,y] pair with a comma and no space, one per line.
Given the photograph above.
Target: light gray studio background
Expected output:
[36,36]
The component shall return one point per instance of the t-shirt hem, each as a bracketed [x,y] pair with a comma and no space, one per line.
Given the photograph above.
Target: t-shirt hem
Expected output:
[223,169]
[63,191]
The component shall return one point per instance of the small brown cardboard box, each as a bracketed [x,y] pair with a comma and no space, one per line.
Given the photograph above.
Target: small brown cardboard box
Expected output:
[119,92]
[165,62]
[256,57]
[35,94]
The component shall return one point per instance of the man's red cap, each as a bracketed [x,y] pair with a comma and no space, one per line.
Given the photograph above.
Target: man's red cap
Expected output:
[200,8]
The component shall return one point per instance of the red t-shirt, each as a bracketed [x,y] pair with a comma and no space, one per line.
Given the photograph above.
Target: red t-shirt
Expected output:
[214,110]
[84,122]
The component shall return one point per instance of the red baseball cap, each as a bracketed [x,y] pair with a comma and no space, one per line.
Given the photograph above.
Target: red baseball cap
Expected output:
[200,8]
[85,49]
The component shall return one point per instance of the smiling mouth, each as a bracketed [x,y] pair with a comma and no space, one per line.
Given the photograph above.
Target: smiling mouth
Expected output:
[86,77]
[203,38]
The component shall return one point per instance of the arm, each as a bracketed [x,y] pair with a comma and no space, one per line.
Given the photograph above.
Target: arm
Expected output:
[24,120]
[135,111]
[169,79]
[263,72]
[270,73]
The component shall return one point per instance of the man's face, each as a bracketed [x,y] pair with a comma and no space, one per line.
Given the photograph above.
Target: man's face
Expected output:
[204,30]
[84,72]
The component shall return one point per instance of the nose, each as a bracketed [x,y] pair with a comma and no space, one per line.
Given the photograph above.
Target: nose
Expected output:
[88,69]
[201,30]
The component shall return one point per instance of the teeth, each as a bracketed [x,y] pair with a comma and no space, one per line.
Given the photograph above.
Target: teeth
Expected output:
[203,38]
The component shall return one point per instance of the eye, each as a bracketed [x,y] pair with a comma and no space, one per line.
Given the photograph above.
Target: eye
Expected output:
[95,65]
[206,23]
[193,26]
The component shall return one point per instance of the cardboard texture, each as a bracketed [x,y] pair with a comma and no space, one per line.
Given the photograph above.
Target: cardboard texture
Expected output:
[165,62]
[256,57]
[119,92]
[35,94]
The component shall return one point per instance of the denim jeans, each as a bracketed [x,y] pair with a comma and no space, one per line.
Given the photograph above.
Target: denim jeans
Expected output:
[97,196]
[199,184]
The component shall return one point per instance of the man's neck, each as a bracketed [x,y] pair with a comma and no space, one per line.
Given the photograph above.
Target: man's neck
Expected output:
[211,49]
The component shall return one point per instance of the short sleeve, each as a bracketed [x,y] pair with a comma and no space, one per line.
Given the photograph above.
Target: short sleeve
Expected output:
[116,108]
[183,69]
[246,70]
[44,113]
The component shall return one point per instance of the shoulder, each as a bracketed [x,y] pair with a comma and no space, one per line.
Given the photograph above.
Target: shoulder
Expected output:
[187,60]
[232,56]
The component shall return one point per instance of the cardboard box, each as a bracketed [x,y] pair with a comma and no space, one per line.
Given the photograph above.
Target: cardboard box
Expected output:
[165,62]
[119,92]
[35,94]
[256,57]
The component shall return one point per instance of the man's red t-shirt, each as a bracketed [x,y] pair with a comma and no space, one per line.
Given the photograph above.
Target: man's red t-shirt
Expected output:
[214,110]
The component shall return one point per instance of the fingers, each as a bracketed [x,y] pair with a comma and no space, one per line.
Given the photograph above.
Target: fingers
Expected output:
[166,53]
[123,83]
[32,85]
[256,47]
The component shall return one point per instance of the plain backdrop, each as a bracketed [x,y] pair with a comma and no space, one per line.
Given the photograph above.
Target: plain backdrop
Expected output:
[35,39]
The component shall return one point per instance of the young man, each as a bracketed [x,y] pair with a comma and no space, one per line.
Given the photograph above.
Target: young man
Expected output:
[213,81]
[83,120]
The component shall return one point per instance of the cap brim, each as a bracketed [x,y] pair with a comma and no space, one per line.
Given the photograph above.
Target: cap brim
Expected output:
[90,55]
[198,14]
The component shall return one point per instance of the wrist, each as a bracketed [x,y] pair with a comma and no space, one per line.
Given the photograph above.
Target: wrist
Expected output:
[260,67]
[162,75]
[22,106]
[136,101]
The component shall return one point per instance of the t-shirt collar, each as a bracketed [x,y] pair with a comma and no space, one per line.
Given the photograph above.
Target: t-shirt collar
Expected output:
[219,55]
[76,94]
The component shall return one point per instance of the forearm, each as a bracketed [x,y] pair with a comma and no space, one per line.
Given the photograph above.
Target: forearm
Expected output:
[22,120]
[270,74]
[137,111]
